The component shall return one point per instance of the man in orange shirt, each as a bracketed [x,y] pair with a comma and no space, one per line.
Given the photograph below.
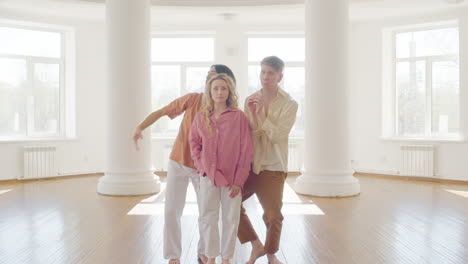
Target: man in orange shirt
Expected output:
[181,167]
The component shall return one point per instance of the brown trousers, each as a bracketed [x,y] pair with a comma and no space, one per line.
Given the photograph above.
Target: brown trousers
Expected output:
[268,186]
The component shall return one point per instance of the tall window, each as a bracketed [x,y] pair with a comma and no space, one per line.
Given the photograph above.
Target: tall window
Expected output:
[31,83]
[292,51]
[179,66]
[426,82]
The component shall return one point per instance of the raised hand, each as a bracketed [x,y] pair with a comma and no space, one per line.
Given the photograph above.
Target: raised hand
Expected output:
[252,104]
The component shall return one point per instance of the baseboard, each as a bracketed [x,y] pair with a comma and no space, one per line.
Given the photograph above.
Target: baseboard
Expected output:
[374,171]
[68,176]
[410,178]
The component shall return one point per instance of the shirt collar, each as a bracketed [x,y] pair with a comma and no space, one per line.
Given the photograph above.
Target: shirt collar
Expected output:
[228,109]
[280,93]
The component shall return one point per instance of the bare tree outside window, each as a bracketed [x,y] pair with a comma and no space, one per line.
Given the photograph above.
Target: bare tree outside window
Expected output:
[427,83]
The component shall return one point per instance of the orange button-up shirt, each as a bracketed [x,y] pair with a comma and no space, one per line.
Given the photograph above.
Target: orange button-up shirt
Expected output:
[190,104]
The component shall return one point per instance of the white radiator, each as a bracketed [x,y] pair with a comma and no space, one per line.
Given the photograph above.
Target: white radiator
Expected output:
[39,162]
[295,156]
[417,160]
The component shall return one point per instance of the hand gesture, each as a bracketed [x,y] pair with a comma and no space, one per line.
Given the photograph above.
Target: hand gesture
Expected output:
[255,104]
[138,135]
[234,190]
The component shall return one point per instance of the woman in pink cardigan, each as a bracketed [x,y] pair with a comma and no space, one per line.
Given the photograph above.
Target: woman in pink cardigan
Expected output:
[222,149]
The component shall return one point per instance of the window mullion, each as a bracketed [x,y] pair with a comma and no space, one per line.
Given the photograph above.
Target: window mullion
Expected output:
[395,116]
[428,127]
[394,96]
[183,79]
[29,98]
[61,97]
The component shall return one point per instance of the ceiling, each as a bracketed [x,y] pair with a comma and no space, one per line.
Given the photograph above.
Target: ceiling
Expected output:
[241,10]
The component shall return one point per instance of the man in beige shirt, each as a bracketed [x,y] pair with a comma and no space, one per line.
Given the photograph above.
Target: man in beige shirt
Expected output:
[271,113]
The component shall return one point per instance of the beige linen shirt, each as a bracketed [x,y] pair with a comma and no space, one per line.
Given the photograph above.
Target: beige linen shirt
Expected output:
[271,138]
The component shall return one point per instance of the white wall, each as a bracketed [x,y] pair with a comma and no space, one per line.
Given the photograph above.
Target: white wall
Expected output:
[369,152]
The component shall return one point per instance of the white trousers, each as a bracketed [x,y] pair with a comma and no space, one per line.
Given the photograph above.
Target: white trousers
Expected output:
[211,198]
[178,177]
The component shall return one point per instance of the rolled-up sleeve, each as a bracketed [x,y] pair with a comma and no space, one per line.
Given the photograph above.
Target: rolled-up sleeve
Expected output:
[195,141]
[276,131]
[179,105]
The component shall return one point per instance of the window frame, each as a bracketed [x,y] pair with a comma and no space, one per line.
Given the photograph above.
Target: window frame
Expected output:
[389,96]
[183,71]
[31,61]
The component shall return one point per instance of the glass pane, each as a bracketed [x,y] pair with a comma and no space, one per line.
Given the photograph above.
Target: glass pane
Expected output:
[12,97]
[254,79]
[196,79]
[411,98]
[165,88]
[182,49]
[427,43]
[45,100]
[294,84]
[287,49]
[445,97]
[30,42]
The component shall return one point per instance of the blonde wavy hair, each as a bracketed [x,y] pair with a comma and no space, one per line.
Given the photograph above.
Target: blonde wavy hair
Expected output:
[208,103]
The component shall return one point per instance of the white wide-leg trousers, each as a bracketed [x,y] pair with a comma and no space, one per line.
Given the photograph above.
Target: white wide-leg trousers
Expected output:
[178,177]
[211,198]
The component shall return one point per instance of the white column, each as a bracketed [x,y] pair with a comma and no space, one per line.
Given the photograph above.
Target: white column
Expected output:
[128,172]
[327,169]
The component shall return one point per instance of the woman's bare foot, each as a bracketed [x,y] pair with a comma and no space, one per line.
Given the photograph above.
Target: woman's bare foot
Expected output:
[257,251]
[272,259]
[211,261]
[174,261]
[226,261]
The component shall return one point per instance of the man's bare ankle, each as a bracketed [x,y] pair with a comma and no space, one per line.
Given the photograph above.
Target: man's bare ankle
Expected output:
[272,259]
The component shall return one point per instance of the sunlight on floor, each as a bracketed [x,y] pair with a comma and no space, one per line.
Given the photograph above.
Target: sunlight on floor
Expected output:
[156,197]
[460,193]
[154,205]
[293,204]
[5,191]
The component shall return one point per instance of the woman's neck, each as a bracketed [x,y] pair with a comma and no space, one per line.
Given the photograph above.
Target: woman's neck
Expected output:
[219,107]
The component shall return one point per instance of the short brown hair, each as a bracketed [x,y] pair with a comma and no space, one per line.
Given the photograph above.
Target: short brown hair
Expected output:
[274,62]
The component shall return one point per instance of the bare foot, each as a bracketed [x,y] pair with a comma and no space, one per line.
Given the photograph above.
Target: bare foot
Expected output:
[211,261]
[257,251]
[174,261]
[226,261]
[202,259]
[272,259]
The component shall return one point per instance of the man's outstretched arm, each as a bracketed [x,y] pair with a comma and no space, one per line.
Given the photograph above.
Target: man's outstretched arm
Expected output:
[148,121]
